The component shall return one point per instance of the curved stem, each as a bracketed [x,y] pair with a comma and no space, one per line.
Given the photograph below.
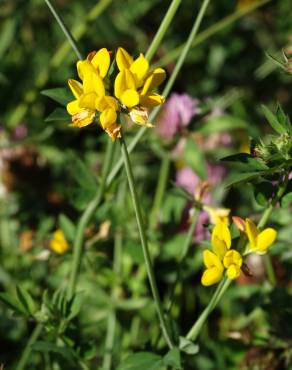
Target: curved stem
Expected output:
[144,243]
[26,353]
[167,88]
[162,29]
[85,218]
[64,28]
[196,328]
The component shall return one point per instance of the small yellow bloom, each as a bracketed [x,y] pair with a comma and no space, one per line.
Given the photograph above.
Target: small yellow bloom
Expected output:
[214,272]
[232,261]
[58,243]
[134,83]
[222,258]
[259,241]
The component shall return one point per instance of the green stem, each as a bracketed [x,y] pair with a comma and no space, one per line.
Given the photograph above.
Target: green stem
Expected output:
[85,218]
[167,88]
[160,189]
[112,318]
[162,29]
[212,30]
[196,328]
[184,253]
[144,243]
[26,353]
[64,28]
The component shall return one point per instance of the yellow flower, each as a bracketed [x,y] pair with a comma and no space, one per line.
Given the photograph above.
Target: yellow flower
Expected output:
[214,271]
[134,83]
[59,244]
[222,258]
[259,241]
[232,261]
[91,94]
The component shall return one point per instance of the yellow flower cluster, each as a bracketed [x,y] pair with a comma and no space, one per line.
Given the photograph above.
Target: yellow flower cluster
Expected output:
[224,258]
[110,87]
[58,243]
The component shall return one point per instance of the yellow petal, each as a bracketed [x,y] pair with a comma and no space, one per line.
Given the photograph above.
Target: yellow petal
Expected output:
[139,115]
[93,83]
[219,247]
[88,101]
[155,79]
[265,239]
[124,81]
[130,98]
[76,88]
[106,102]
[233,272]
[123,59]
[232,257]
[211,276]
[221,232]
[108,117]
[139,68]
[151,100]
[73,107]
[101,62]
[83,118]
[251,232]
[211,259]
[84,67]
[59,244]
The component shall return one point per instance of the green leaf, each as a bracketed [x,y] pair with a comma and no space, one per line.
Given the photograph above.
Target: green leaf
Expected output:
[245,162]
[26,300]
[76,304]
[187,346]
[59,114]
[59,94]
[142,361]
[273,121]
[195,158]
[65,352]
[173,359]
[286,200]
[237,178]
[67,227]
[221,123]
[12,303]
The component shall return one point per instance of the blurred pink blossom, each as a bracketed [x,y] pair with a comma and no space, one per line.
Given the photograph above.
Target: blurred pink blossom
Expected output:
[177,113]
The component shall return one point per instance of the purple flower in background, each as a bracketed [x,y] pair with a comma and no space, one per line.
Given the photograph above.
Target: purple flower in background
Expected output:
[176,114]
[20,132]
[187,179]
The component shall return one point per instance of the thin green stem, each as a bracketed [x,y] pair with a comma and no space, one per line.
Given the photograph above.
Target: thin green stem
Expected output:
[162,29]
[85,218]
[144,243]
[160,189]
[64,28]
[196,328]
[26,353]
[167,88]
[186,247]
